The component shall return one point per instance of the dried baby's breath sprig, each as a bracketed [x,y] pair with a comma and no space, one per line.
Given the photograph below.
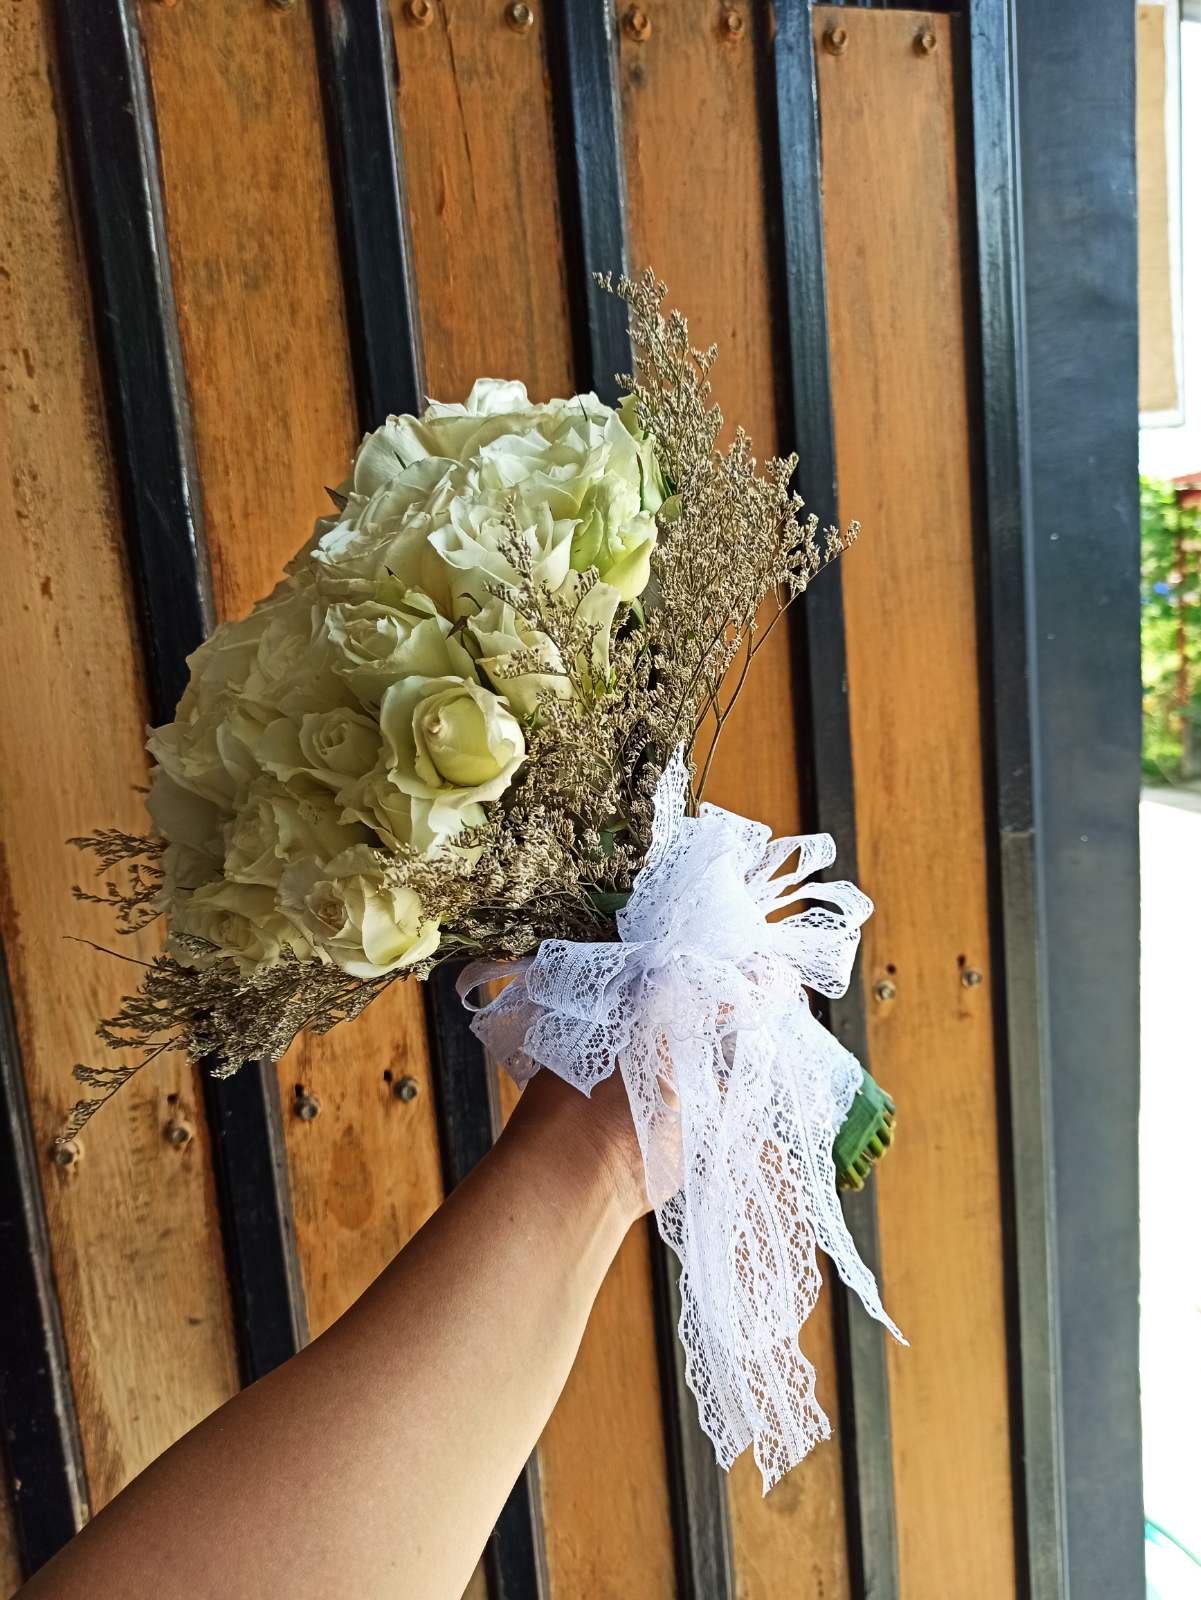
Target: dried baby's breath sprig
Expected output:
[734,550]
[134,892]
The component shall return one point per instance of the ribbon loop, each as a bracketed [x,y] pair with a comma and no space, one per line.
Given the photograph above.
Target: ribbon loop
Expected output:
[702,990]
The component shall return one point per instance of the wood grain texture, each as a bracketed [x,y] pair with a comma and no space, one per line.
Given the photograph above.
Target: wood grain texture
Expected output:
[696,188]
[10,1567]
[476,127]
[254,255]
[133,1227]
[479,160]
[893,253]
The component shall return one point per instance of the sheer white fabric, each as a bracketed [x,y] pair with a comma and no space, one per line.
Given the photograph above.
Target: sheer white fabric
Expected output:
[704,994]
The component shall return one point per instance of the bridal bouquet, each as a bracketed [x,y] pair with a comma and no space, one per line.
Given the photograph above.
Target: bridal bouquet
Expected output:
[463,728]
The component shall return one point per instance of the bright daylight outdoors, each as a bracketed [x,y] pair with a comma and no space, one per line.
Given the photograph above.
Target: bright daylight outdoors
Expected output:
[1170,467]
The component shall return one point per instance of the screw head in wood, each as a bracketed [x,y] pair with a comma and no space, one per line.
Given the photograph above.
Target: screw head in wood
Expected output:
[419,13]
[65,1152]
[306,1107]
[835,40]
[885,989]
[926,43]
[405,1088]
[970,978]
[519,16]
[636,25]
[283,5]
[178,1132]
[733,24]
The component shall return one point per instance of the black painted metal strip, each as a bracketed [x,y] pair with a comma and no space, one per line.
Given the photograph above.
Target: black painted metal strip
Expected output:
[38,1426]
[820,658]
[1076,119]
[114,157]
[358,79]
[1008,637]
[358,74]
[592,191]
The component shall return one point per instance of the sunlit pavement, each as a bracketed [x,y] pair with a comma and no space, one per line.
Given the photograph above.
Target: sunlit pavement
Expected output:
[1170,1205]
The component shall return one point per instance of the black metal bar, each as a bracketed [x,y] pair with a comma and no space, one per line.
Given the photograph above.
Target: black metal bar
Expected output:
[593,200]
[1013,779]
[358,75]
[38,1425]
[794,141]
[115,168]
[592,184]
[1075,104]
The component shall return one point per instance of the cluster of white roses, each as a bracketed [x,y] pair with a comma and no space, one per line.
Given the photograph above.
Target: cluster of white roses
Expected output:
[366,705]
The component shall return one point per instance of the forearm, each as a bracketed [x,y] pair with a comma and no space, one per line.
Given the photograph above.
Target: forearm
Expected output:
[376,1462]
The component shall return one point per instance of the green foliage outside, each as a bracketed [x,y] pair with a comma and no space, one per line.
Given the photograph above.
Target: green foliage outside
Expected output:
[1171,635]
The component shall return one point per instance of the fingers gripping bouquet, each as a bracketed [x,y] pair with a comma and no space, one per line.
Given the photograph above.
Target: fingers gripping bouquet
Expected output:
[461,728]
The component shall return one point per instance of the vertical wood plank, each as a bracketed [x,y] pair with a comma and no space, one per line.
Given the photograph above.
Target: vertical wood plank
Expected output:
[254,256]
[10,1568]
[696,186]
[901,419]
[132,1223]
[476,126]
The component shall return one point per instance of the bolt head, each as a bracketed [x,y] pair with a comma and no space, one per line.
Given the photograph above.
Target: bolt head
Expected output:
[733,24]
[306,1106]
[283,5]
[405,1088]
[419,13]
[885,989]
[178,1132]
[926,43]
[835,40]
[65,1152]
[637,25]
[519,16]
[970,978]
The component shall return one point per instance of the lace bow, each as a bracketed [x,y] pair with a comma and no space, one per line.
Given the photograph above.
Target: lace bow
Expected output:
[706,994]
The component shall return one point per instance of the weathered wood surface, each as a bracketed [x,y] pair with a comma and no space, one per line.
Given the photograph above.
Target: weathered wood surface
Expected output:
[132,1223]
[897,342]
[697,216]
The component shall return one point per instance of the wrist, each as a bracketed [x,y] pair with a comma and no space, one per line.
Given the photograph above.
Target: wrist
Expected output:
[584,1148]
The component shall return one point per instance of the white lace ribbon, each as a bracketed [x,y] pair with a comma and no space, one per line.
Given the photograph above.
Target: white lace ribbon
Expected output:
[704,993]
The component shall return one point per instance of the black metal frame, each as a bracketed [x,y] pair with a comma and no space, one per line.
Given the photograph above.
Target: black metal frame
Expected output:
[1007,631]
[794,139]
[114,158]
[1074,71]
[358,65]
[39,1433]
[593,201]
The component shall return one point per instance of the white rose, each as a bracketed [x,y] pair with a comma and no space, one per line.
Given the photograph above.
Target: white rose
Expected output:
[403,821]
[327,746]
[275,827]
[351,913]
[374,644]
[450,742]
[654,484]
[240,921]
[499,633]
[474,541]
[383,536]
[209,748]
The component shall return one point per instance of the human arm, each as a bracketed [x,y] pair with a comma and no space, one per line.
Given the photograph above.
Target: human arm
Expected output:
[376,1461]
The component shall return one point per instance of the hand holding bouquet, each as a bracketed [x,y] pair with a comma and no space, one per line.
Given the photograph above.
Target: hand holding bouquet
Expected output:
[462,728]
